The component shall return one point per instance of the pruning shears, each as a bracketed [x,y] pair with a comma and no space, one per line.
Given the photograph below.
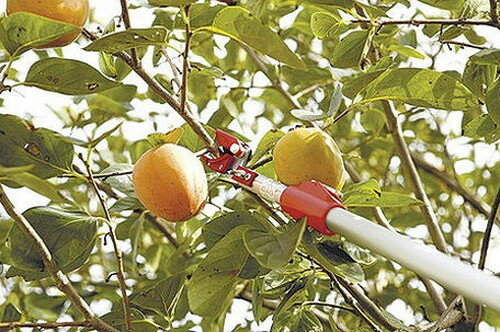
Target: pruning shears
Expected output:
[324,211]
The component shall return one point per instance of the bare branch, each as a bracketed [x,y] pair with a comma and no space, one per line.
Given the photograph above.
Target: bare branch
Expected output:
[487,233]
[61,280]
[339,284]
[462,44]
[126,21]
[118,254]
[403,153]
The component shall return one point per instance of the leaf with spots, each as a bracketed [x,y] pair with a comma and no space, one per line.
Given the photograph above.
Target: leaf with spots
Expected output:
[210,290]
[66,76]
[20,32]
[125,40]
[21,144]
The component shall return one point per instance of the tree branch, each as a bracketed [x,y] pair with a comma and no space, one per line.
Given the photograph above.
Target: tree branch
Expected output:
[487,233]
[185,66]
[118,254]
[126,21]
[61,280]
[417,22]
[274,81]
[452,42]
[165,95]
[16,325]
[452,184]
[403,153]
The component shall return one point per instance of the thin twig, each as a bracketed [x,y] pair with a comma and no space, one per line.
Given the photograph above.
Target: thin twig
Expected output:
[453,185]
[417,22]
[326,304]
[126,21]
[185,65]
[61,280]
[118,254]
[403,153]
[462,44]
[16,325]
[487,233]
[274,81]
[272,305]
[338,282]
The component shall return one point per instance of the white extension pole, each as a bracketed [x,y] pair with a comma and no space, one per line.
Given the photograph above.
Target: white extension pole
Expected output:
[418,257]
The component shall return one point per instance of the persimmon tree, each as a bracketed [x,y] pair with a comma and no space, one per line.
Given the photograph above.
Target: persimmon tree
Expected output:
[413,127]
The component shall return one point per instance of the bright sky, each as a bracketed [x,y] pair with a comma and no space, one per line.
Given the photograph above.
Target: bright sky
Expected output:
[37,105]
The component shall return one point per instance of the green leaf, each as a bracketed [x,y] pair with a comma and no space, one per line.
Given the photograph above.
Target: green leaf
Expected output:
[348,52]
[131,38]
[489,56]
[70,236]
[161,297]
[421,87]
[240,25]
[324,25]
[219,227]
[295,294]
[140,322]
[271,249]
[493,102]
[335,103]
[368,193]
[172,137]
[482,126]
[170,3]
[33,182]
[21,144]
[9,314]
[407,51]
[266,144]
[297,318]
[332,257]
[20,32]
[123,182]
[445,4]
[211,288]
[66,76]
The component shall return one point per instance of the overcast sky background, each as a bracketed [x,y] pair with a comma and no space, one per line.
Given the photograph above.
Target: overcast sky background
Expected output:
[36,105]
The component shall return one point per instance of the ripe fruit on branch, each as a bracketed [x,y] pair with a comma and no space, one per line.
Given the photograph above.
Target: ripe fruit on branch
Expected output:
[74,12]
[308,154]
[171,182]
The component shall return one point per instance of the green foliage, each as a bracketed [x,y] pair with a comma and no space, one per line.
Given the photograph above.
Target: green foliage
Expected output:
[21,32]
[69,235]
[70,77]
[314,60]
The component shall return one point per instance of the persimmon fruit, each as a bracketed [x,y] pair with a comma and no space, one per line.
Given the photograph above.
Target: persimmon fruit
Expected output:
[170,182]
[74,12]
[308,154]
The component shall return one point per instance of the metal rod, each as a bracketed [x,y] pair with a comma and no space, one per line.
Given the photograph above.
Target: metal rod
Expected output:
[418,257]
